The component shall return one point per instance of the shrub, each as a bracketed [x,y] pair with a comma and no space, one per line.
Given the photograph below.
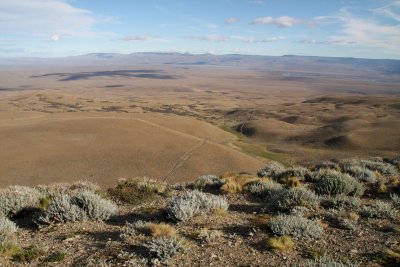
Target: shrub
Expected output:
[264,189]
[286,200]
[301,173]
[184,207]
[272,170]
[294,226]
[55,189]
[361,173]
[290,181]
[237,183]
[96,208]
[396,200]
[341,202]
[7,227]
[84,206]
[132,229]
[137,190]
[283,243]
[380,210]
[334,183]
[328,164]
[164,248]
[160,229]
[63,209]
[208,181]
[381,167]
[325,261]
[14,199]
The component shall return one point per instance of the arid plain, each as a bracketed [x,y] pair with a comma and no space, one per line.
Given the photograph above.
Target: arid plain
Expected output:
[101,117]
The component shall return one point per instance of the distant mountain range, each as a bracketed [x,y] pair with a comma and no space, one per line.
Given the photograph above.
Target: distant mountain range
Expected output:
[253,62]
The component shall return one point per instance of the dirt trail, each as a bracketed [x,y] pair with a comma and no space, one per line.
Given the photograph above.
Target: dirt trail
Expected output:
[183,158]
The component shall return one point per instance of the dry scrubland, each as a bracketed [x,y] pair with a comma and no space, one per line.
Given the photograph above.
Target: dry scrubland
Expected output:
[176,117]
[336,213]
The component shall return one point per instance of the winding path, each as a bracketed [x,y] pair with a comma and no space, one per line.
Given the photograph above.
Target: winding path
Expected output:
[183,158]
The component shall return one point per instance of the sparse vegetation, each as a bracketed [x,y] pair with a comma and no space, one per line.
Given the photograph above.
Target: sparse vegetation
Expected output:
[137,190]
[282,214]
[380,209]
[295,226]
[182,208]
[333,183]
[164,248]
[288,199]
[272,170]
[283,243]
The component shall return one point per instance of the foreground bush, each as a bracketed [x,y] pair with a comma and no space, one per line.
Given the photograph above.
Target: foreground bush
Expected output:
[264,189]
[333,183]
[237,183]
[14,199]
[380,210]
[361,173]
[7,227]
[288,199]
[164,248]
[379,166]
[137,190]
[272,170]
[81,207]
[184,207]
[208,181]
[295,226]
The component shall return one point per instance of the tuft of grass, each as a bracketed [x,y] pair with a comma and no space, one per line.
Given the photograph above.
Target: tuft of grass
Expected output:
[283,243]
[389,257]
[292,181]
[161,229]
[44,202]
[137,190]
[237,183]
[28,254]
[8,248]
[56,257]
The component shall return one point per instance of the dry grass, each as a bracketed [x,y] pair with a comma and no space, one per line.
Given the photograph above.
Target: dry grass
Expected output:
[236,183]
[160,229]
[284,243]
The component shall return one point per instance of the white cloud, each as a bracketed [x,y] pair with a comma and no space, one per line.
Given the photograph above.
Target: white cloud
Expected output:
[245,39]
[366,32]
[283,22]
[391,10]
[45,17]
[54,37]
[251,39]
[144,37]
[231,20]
[210,37]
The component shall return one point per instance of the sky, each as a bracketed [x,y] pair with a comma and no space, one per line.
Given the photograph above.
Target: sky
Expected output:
[337,28]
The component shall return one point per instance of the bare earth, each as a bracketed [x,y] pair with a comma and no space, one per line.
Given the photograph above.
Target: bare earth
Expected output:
[175,122]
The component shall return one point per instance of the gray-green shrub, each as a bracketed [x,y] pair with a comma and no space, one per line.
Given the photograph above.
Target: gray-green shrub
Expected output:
[7,227]
[333,183]
[361,173]
[204,181]
[182,208]
[286,200]
[264,189]
[164,248]
[272,170]
[295,226]
[341,202]
[83,206]
[379,209]
[14,199]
